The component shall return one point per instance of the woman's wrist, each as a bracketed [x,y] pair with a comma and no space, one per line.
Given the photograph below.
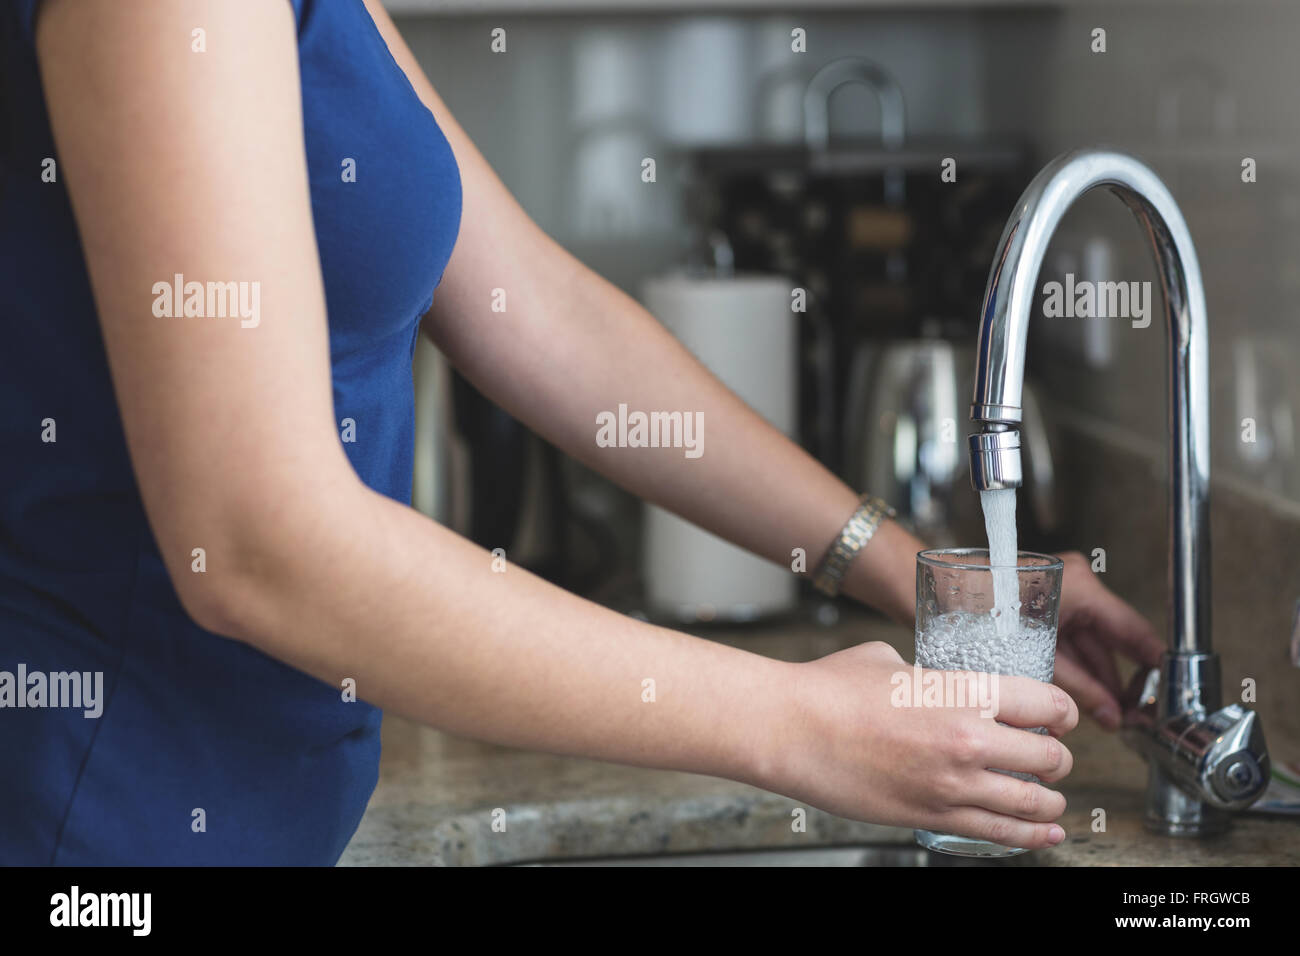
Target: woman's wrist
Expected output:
[770,736]
[883,574]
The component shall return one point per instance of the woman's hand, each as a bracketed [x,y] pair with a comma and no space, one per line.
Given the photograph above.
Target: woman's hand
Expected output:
[1094,625]
[849,750]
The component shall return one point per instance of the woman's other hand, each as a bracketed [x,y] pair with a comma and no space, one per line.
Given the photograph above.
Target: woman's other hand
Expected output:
[1095,627]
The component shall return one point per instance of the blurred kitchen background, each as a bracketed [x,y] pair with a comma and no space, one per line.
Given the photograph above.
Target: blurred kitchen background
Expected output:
[821,170]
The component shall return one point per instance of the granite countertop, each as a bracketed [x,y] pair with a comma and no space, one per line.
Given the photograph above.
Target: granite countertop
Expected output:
[439,797]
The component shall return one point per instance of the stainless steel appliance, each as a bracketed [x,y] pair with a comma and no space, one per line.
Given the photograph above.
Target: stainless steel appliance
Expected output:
[902,439]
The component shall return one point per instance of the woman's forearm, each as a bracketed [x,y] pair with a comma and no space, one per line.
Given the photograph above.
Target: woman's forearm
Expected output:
[558,360]
[429,626]
[370,590]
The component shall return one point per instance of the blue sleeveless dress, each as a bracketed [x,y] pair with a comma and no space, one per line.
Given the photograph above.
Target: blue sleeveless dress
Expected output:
[205,751]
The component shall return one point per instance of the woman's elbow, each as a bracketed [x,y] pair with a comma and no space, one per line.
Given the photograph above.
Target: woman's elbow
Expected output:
[261,558]
[226,601]
[240,582]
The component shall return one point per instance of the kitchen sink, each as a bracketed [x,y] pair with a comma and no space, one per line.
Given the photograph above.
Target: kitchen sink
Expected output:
[896,855]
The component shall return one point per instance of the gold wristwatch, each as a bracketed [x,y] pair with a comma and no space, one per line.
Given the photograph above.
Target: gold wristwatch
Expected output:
[859,529]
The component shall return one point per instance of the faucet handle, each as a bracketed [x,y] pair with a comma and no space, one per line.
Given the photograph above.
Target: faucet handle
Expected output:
[1220,758]
[1236,765]
[1139,702]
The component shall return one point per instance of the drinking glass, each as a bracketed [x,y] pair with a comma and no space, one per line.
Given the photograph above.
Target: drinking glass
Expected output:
[958,629]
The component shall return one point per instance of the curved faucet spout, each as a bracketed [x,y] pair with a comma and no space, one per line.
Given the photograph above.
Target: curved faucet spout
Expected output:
[1000,362]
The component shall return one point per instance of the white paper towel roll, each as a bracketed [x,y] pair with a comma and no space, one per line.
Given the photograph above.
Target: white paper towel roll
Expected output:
[744,331]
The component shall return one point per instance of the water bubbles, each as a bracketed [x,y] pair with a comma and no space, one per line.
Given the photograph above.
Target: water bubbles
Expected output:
[975,642]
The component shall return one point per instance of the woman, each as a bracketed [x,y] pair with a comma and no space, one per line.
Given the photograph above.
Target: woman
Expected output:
[223,225]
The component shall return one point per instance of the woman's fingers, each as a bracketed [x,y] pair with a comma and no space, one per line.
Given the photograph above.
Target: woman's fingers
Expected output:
[1118,624]
[1009,748]
[1025,702]
[1090,605]
[1092,695]
[1009,796]
[1099,659]
[983,824]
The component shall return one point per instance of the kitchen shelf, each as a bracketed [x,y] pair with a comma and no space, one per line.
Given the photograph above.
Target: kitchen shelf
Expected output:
[854,159]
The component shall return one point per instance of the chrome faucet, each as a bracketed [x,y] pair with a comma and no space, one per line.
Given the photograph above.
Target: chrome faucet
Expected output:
[1203,759]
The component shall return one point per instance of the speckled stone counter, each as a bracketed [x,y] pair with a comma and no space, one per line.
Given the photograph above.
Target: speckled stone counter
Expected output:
[1251,840]
[439,797]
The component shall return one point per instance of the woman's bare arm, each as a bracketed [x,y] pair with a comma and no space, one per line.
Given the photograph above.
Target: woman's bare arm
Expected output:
[177,162]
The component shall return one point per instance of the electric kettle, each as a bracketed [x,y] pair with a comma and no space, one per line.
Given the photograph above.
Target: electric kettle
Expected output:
[906,413]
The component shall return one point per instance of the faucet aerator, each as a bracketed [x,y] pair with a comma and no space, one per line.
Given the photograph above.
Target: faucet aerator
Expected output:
[995,460]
